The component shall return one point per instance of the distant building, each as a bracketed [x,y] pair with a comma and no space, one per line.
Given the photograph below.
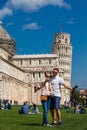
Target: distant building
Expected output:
[19,74]
[83,93]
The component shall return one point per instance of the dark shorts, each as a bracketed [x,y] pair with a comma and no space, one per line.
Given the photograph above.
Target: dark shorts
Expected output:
[55,102]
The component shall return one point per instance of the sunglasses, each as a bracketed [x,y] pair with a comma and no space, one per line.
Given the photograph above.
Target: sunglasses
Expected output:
[47,76]
[55,72]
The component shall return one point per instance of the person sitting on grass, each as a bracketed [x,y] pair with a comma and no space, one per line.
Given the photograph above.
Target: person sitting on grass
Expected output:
[9,106]
[82,110]
[35,109]
[24,109]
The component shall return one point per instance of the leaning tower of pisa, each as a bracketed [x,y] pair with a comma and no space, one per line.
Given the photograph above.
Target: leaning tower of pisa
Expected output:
[63,48]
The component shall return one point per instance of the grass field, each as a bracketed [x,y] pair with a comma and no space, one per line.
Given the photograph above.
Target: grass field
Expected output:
[11,120]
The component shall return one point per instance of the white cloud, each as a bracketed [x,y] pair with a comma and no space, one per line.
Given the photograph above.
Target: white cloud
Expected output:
[9,24]
[31,26]
[30,5]
[71,21]
[33,5]
[5,11]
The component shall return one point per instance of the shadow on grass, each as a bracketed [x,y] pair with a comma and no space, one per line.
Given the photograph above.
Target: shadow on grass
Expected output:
[32,124]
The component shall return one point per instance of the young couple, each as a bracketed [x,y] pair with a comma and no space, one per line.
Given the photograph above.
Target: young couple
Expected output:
[51,89]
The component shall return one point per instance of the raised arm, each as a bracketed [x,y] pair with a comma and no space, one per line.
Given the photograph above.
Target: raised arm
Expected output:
[66,85]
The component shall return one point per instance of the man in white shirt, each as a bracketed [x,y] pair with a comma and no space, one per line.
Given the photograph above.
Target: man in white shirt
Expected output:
[56,83]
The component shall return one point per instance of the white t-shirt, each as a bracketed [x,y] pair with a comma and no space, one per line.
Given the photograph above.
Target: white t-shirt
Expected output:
[56,83]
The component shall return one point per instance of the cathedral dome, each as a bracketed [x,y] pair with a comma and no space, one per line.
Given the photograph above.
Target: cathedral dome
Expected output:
[3,33]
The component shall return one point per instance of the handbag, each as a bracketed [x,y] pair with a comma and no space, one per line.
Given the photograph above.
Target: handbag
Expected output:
[43,97]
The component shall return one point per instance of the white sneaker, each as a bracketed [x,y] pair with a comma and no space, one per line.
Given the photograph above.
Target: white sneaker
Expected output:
[48,125]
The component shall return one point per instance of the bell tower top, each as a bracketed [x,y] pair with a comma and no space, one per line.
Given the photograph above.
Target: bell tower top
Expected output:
[62,38]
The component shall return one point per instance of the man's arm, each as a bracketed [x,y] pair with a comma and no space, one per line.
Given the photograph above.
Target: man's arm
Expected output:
[66,85]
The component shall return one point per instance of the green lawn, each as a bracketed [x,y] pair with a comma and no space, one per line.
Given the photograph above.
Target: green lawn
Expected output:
[11,120]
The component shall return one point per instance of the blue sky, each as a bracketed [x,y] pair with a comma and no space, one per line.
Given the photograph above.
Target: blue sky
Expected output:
[33,23]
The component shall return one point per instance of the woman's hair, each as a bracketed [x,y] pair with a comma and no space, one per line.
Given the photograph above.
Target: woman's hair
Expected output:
[47,73]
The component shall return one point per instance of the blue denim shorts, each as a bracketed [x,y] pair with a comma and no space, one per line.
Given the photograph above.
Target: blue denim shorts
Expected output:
[55,102]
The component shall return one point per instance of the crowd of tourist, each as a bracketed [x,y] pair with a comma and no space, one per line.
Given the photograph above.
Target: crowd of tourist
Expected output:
[5,104]
[74,105]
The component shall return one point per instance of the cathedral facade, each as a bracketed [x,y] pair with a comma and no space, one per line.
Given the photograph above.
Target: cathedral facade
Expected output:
[20,74]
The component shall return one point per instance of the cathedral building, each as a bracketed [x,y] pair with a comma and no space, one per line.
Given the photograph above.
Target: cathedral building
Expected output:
[20,74]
